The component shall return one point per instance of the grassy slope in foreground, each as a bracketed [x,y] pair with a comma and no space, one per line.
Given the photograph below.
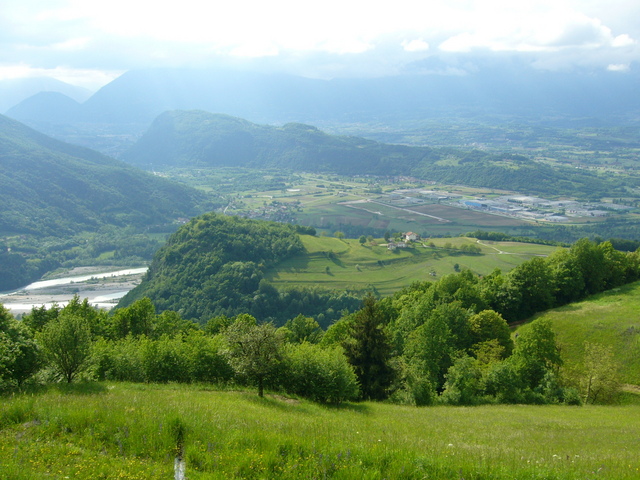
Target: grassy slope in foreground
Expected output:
[609,318]
[357,267]
[125,431]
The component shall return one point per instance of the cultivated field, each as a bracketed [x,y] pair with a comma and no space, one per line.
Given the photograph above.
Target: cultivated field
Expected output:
[341,264]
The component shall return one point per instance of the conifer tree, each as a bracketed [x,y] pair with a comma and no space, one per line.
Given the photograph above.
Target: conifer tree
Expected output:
[368,349]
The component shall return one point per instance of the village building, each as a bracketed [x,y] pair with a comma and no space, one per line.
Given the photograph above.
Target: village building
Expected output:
[411,237]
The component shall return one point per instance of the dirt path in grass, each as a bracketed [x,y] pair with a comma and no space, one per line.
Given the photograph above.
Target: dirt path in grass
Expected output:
[500,252]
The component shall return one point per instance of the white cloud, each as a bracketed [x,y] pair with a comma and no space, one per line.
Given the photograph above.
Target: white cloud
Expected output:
[618,67]
[623,40]
[373,35]
[256,50]
[417,45]
[538,33]
[72,44]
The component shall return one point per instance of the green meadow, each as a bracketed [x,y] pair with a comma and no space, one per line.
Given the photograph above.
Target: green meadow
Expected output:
[611,319]
[117,430]
[337,264]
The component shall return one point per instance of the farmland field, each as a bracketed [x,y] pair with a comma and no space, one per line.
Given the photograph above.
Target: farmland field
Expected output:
[469,217]
[366,205]
[343,264]
[428,220]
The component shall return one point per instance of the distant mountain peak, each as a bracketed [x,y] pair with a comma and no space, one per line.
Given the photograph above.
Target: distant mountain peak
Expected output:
[14,91]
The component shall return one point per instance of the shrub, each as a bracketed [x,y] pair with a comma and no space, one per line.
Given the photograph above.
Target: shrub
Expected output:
[463,382]
[320,374]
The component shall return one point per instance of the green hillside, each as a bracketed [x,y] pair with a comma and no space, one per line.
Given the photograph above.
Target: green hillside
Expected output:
[49,188]
[221,265]
[610,319]
[345,264]
[197,138]
[117,430]
[65,205]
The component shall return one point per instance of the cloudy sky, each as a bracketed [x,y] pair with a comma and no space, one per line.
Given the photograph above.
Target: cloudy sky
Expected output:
[89,42]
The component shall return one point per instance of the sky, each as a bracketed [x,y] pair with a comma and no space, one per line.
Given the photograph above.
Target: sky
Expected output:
[89,43]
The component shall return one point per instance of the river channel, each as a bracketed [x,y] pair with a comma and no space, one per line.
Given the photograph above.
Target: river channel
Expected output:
[101,287]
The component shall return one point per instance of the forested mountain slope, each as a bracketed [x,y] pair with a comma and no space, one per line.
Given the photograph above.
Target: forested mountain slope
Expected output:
[50,188]
[197,138]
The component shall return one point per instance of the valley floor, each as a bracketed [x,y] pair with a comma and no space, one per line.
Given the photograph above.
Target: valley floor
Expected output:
[102,286]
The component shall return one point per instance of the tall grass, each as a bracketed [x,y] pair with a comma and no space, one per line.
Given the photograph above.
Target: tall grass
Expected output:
[132,431]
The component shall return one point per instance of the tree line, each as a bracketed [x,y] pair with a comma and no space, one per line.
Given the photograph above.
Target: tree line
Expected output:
[137,345]
[442,342]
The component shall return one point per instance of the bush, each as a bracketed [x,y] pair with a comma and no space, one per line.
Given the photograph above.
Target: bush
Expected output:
[207,363]
[118,360]
[320,374]
[503,382]
[165,360]
[193,358]
[463,382]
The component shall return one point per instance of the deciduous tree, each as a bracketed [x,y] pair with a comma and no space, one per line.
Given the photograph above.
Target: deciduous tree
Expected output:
[66,342]
[489,325]
[19,353]
[599,381]
[536,353]
[255,351]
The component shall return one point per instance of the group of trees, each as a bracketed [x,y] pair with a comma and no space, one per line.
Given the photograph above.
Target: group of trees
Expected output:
[215,265]
[411,353]
[568,275]
[446,341]
[136,344]
[450,340]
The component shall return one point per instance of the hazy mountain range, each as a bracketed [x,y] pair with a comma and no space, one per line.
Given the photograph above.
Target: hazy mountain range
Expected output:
[14,91]
[111,118]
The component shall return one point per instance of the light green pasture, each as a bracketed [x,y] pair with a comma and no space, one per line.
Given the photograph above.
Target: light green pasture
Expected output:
[611,318]
[344,264]
[111,431]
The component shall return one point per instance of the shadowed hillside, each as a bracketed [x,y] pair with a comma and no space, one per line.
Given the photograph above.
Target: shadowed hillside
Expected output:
[53,188]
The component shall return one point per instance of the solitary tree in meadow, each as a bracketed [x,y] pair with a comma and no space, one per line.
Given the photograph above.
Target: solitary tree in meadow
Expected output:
[599,381]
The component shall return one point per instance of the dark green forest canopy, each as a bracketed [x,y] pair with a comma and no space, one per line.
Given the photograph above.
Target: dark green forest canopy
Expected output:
[215,264]
[197,138]
[50,188]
